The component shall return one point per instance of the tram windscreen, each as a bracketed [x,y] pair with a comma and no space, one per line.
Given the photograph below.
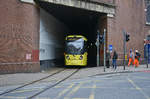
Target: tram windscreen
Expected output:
[75,46]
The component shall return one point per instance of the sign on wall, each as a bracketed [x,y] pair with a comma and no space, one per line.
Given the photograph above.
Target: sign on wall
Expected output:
[110,48]
[28,56]
[28,1]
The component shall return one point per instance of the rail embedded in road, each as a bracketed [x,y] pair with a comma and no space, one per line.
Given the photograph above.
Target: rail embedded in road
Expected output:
[61,76]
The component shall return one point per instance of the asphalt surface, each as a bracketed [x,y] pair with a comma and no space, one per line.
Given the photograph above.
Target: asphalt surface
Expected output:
[88,83]
[112,86]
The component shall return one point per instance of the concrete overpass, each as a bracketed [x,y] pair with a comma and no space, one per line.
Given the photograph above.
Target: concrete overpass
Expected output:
[84,4]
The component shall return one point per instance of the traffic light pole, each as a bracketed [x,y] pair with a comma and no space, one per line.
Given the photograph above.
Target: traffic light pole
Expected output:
[124,46]
[147,59]
[147,56]
[97,44]
[104,49]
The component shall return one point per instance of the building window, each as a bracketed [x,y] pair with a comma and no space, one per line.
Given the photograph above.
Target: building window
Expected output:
[147,3]
[148,15]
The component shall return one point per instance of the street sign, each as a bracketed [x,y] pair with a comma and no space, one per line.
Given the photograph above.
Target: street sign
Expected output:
[110,48]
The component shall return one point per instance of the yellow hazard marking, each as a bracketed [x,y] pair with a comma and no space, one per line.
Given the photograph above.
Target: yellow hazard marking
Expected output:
[73,91]
[94,86]
[74,98]
[86,81]
[98,80]
[58,86]
[43,98]
[12,97]
[79,98]
[106,88]
[90,87]
[64,91]
[92,96]
[26,90]
[138,88]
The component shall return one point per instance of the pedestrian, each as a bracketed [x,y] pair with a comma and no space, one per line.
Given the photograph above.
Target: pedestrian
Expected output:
[137,58]
[108,57]
[114,58]
[131,58]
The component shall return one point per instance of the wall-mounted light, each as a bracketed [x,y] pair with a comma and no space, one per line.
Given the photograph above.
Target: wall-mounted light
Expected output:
[28,1]
[110,15]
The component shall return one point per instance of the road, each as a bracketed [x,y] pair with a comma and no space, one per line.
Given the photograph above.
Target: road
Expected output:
[112,86]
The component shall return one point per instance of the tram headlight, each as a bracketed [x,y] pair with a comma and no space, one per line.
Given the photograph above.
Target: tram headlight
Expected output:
[81,57]
[67,57]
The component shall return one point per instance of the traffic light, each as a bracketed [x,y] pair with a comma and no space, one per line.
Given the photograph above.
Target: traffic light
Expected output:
[101,39]
[127,37]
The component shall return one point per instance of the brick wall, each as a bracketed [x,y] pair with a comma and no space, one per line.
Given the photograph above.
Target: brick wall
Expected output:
[130,16]
[19,37]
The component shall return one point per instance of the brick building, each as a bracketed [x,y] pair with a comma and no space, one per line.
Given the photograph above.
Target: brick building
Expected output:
[130,16]
[19,31]
[24,26]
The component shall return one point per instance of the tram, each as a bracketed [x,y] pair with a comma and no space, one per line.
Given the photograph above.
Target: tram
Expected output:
[75,50]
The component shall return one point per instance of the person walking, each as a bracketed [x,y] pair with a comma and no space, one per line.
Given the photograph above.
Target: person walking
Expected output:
[108,58]
[131,58]
[137,58]
[114,58]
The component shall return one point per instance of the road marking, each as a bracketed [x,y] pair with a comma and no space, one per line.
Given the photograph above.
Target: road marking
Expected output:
[92,96]
[58,86]
[64,91]
[79,98]
[12,97]
[86,81]
[73,91]
[138,88]
[145,78]
[26,90]
[108,88]
[42,98]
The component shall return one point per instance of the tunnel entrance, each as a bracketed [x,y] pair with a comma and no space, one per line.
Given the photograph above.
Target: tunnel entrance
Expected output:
[79,22]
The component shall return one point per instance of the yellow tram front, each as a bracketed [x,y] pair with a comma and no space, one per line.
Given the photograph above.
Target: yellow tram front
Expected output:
[76,50]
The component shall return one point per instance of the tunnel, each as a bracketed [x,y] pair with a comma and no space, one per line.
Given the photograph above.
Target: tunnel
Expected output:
[73,21]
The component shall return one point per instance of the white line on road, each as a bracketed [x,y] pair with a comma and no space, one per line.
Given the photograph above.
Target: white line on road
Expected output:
[138,88]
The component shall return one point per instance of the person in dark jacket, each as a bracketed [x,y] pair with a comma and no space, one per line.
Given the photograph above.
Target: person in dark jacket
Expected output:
[114,60]
[108,59]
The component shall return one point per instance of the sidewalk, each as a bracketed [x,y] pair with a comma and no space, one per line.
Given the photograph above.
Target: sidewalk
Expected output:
[100,70]
[22,78]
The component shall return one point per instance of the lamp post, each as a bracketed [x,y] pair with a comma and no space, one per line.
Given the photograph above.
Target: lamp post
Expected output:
[97,45]
[104,49]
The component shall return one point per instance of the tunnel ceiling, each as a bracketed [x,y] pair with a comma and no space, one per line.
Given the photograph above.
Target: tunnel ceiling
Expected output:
[72,17]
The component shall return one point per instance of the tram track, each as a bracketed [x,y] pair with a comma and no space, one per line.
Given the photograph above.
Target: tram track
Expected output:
[32,82]
[71,72]
[53,85]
